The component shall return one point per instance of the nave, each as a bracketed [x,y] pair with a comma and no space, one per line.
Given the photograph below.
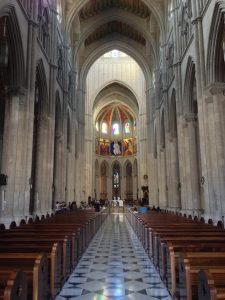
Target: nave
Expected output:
[115,267]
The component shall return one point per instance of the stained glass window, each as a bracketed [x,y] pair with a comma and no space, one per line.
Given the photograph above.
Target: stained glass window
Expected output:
[115,128]
[59,11]
[96,126]
[104,127]
[116,180]
[127,127]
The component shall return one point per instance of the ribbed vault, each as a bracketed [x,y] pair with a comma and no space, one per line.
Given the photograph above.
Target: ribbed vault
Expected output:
[138,23]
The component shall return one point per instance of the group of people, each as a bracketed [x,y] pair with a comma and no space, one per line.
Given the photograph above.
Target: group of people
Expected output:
[62,206]
[143,209]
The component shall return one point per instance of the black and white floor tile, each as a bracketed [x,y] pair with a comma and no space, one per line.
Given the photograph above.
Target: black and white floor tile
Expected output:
[114,267]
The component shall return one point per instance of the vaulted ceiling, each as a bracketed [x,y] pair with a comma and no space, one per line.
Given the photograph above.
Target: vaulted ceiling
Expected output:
[139,24]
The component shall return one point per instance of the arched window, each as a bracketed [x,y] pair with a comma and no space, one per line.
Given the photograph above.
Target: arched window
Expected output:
[116,181]
[116,128]
[104,127]
[127,127]
[59,11]
[43,31]
[170,9]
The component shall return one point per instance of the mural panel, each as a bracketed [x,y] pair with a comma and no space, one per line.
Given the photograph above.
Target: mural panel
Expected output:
[127,147]
[116,148]
[104,147]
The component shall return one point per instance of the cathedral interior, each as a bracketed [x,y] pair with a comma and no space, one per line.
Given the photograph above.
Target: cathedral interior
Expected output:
[112,99]
[112,149]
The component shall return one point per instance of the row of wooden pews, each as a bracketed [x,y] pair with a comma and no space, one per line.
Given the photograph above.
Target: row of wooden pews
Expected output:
[188,254]
[37,257]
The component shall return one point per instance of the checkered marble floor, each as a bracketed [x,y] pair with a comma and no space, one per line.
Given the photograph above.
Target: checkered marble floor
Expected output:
[114,267]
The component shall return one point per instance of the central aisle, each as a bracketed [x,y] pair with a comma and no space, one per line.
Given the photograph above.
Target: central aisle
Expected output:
[115,266]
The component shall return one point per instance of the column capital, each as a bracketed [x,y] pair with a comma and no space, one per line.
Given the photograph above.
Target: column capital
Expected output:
[215,88]
[16,91]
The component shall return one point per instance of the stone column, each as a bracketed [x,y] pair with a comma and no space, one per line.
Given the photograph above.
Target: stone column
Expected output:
[109,186]
[192,167]
[97,185]
[214,123]
[57,169]
[40,175]
[89,154]
[13,166]
[51,133]
[30,79]
[123,186]
[163,180]
[174,186]
[135,187]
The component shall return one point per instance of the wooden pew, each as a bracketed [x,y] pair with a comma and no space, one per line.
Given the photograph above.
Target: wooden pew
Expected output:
[47,241]
[190,265]
[170,259]
[211,284]
[13,285]
[164,228]
[54,255]
[35,267]
[54,230]
[71,231]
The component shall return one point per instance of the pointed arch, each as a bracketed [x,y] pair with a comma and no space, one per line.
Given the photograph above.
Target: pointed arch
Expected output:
[17,73]
[100,48]
[215,57]
[77,6]
[121,88]
[126,163]
[104,168]
[117,163]
[104,173]
[190,81]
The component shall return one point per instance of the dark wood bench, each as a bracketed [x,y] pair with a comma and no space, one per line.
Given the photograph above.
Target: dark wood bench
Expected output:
[190,265]
[211,284]
[63,238]
[156,231]
[35,267]
[13,285]
[171,254]
[54,254]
